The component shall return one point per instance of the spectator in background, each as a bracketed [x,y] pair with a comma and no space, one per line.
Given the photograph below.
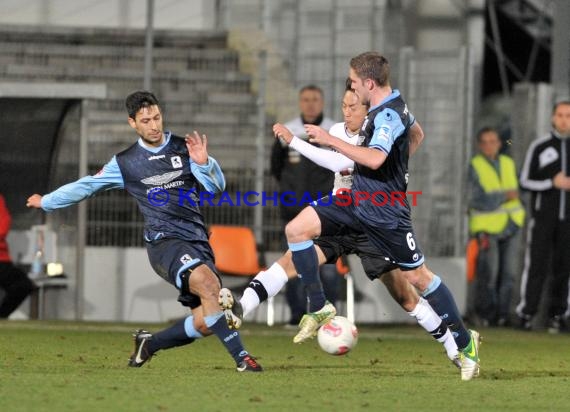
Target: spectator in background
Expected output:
[298,175]
[546,174]
[16,285]
[495,216]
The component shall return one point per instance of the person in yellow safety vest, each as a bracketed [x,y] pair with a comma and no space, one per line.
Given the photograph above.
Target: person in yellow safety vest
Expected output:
[495,216]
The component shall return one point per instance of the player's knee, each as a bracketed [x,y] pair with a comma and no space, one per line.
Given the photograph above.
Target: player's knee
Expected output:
[420,277]
[204,283]
[299,230]
[292,230]
[424,277]
[400,291]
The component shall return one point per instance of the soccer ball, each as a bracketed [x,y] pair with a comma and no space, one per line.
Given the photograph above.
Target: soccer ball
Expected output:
[338,336]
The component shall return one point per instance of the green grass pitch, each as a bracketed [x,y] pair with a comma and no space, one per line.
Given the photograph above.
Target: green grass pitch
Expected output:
[65,366]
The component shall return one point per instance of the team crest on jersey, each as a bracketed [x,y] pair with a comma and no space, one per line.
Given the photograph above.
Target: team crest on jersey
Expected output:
[176,162]
[186,258]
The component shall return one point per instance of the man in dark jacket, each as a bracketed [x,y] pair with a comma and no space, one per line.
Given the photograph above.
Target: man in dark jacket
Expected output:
[546,173]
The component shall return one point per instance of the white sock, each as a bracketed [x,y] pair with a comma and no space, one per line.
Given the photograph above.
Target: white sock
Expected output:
[272,279]
[430,321]
[449,344]
[249,300]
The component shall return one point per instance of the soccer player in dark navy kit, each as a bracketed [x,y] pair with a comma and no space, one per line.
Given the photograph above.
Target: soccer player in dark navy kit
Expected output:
[377,206]
[163,173]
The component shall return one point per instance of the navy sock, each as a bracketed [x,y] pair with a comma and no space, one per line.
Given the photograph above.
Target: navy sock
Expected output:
[307,264]
[171,337]
[229,338]
[441,300]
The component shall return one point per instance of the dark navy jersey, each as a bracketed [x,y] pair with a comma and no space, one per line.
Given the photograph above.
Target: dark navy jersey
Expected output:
[165,190]
[386,128]
[162,179]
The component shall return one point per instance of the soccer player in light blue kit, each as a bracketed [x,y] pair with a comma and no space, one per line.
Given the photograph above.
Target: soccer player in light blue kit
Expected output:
[381,166]
[163,173]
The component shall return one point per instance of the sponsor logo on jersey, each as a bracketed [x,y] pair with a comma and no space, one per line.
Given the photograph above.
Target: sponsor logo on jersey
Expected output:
[157,157]
[162,179]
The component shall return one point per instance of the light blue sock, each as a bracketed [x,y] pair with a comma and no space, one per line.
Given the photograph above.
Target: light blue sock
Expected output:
[229,338]
[176,335]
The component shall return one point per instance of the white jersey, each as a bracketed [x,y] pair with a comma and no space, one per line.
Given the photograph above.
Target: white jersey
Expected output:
[297,128]
[343,179]
[331,159]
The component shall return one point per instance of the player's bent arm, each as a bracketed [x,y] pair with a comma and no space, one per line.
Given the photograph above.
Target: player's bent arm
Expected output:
[109,177]
[416,137]
[367,156]
[326,158]
[209,175]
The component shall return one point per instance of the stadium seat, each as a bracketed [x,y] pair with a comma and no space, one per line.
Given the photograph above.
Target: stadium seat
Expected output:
[236,255]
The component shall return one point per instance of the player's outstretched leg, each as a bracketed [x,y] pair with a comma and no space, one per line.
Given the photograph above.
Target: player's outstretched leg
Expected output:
[202,282]
[147,344]
[441,300]
[431,322]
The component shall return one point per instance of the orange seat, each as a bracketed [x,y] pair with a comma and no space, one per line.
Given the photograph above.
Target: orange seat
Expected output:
[341,267]
[235,250]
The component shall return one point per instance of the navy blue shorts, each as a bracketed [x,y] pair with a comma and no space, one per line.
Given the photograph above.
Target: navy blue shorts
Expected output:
[348,242]
[170,257]
[398,245]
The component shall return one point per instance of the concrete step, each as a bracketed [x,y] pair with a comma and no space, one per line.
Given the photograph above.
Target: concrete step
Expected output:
[203,39]
[167,58]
